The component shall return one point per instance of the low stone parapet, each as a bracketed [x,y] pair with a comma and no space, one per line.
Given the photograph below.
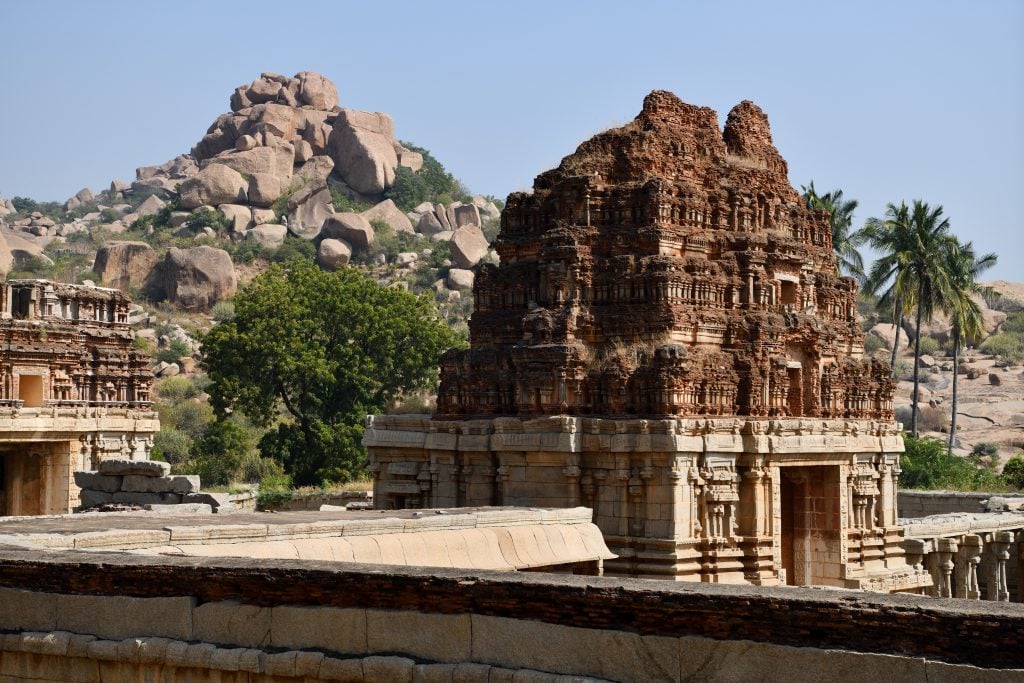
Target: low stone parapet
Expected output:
[147,484]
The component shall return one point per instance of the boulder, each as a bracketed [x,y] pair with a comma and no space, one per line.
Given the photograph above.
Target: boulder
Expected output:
[303,151]
[407,258]
[429,225]
[443,236]
[239,217]
[333,254]
[6,256]
[263,216]
[361,145]
[411,160]
[350,227]
[117,186]
[264,189]
[887,333]
[215,184]
[199,277]
[262,90]
[442,217]
[468,246]
[424,207]
[460,279]
[306,217]
[467,214]
[316,91]
[389,213]
[167,370]
[926,361]
[316,171]
[277,160]
[124,265]
[151,206]
[245,142]
[994,379]
[268,236]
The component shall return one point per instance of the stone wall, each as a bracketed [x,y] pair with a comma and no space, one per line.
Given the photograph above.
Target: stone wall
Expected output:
[86,617]
[924,503]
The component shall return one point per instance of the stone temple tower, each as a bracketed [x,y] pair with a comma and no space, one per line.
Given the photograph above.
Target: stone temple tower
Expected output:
[667,340]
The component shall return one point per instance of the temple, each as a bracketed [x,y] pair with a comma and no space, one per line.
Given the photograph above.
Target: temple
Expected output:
[73,391]
[668,341]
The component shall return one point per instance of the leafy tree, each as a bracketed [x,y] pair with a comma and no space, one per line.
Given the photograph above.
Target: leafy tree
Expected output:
[964,267]
[914,244]
[840,219]
[927,465]
[309,354]
[1013,472]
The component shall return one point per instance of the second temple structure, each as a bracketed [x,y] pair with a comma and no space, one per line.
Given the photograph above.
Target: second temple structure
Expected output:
[668,341]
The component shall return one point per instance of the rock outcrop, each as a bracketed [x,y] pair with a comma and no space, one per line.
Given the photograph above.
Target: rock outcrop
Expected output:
[195,279]
[125,265]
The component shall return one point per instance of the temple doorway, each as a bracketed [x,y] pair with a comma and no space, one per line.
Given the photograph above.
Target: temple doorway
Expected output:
[34,479]
[810,526]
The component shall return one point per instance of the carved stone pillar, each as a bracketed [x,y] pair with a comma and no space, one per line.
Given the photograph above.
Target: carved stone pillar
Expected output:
[940,566]
[999,546]
[966,571]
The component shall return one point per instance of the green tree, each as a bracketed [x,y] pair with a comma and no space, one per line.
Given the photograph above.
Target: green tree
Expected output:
[914,244]
[927,465]
[840,219]
[964,267]
[309,354]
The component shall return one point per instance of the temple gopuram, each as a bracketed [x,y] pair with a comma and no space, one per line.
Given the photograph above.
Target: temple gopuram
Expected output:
[668,341]
[74,391]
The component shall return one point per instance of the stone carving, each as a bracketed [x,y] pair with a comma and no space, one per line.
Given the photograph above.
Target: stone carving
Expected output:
[667,340]
[73,391]
[666,269]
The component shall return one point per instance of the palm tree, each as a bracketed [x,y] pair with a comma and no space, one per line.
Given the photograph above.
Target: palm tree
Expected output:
[914,244]
[840,218]
[892,234]
[964,313]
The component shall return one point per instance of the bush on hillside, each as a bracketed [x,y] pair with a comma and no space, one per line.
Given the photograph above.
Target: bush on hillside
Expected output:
[929,346]
[927,465]
[1013,472]
[432,183]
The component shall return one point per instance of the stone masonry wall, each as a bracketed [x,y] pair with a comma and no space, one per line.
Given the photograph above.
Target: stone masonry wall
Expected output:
[297,619]
[925,503]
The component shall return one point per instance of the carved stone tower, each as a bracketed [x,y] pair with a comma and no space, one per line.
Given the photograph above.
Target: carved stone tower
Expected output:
[668,341]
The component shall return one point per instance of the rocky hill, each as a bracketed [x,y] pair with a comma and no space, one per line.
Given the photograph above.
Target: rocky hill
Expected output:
[286,171]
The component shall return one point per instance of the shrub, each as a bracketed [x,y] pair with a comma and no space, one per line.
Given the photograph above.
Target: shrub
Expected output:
[432,183]
[344,204]
[172,445]
[142,344]
[293,247]
[245,251]
[927,465]
[205,217]
[175,350]
[176,389]
[929,346]
[873,344]
[223,310]
[1008,346]
[1013,472]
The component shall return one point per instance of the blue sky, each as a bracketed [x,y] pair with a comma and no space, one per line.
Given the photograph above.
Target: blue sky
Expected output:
[886,100]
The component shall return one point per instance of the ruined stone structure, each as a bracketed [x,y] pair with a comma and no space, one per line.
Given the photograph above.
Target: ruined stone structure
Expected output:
[667,341]
[73,391]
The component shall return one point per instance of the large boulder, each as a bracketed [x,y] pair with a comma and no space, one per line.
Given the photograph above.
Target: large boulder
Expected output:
[264,189]
[467,214]
[887,333]
[213,185]
[388,212]
[308,209]
[333,254]
[6,257]
[350,227]
[316,91]
[124,265]
[197,278]
[269,236]
[362,147]
[276,160]
[150,206]
[239,217]
[468,246]
[460,280]
[429,225]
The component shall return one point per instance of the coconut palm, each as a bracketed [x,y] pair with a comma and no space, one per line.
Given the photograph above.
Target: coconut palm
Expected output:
[893,231]
[913,244]
[840,218]
[964,267]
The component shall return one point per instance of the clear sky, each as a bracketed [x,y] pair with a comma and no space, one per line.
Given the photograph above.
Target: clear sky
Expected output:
[887,100]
